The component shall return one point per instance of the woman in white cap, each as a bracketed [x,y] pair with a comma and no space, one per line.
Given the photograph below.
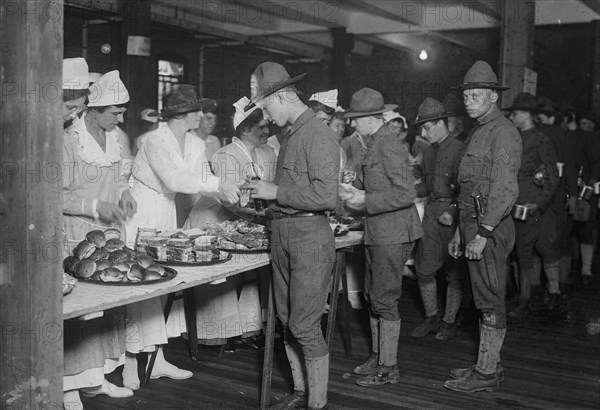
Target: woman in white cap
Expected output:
[170,160]
[94,197]
[221,314]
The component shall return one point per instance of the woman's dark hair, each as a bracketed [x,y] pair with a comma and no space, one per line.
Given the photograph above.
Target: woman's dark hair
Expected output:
[70,95]
[254,118]
[319,106]
[209,106]
[106,107]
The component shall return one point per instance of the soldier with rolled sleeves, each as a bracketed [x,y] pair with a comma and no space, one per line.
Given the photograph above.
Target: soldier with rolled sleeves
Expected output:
[302,243]
[538,182]
[439,169]
[487,176]
[392,226]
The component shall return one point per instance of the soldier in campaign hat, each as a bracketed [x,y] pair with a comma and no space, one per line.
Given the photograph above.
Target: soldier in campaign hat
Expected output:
[392,227]
[439,169]
[302,243]
[538,183]
[487,177]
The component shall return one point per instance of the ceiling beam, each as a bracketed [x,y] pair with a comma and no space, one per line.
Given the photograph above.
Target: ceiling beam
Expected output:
[593,5]
[220,12]
[319,13]
[365,7]
[489,9]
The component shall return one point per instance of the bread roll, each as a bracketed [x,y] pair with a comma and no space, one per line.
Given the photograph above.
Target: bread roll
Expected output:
[70,263]
[151,275]
[136,273]
[103,264]
[118,256]
[99,254]
[97,238]
[112,233]
[145,261]
[84,250]
[112,275]
[157,268]
[122,266]
[85,269]
[119,244]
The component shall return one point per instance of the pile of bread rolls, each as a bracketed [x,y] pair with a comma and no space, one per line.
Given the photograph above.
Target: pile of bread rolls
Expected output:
[103,256]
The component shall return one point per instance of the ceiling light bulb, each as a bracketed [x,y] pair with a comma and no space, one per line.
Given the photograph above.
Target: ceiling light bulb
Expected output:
[423,55]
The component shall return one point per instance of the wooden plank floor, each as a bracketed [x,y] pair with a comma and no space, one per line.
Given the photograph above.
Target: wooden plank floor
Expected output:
[550,361]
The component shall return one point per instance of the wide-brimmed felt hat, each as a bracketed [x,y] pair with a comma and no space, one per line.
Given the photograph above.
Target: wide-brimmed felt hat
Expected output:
[267,79]
[181,101]
[366,102]
[453,104]
[524,102]
[480,75]
[545,106]
[431,110]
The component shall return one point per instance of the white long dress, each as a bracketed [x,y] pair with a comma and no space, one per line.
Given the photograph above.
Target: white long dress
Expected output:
[160,170]
[91,173]
[220,313]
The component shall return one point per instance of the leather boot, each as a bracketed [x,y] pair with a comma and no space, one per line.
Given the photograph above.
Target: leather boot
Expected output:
[432,318]
[484,376]
[299,398]
[446,332]
[587,255]
[458,373]
[317,370]
[372,362]
[521,311]
[430,324]
[387,371]
[553,276]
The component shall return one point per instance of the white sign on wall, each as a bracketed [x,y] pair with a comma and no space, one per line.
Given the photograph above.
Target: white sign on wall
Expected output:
[138,46]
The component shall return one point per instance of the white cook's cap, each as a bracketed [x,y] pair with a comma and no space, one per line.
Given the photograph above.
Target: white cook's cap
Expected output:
[240,115]
[76,75]
[108,90]
[328,98]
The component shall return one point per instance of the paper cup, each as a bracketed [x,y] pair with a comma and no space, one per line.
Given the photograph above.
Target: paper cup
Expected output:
[560,166]
[586,192]
[597,188]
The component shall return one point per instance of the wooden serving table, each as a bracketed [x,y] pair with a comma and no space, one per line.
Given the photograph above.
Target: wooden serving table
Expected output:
[92,299]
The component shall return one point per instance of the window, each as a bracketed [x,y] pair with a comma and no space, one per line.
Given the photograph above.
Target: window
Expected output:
[169,73]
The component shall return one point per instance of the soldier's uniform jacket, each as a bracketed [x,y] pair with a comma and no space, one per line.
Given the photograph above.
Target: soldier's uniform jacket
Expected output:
[538,150]
[389,182]
[440,172]
[490,167]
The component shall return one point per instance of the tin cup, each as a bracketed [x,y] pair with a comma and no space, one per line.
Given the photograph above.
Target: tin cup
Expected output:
[586,192]
[597,188]
[560,166]
[520,212]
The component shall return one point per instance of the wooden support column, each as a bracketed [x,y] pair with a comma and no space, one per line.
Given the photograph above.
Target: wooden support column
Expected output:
[31,42]
[595,105]
[139,73]
[516,46]
[343,44]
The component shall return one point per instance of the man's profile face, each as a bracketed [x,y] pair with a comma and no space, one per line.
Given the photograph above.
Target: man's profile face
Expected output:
[362,125]
[478,101]
[434,131]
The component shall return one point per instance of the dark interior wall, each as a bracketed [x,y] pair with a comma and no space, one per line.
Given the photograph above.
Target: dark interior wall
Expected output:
[563,58]
[405,80]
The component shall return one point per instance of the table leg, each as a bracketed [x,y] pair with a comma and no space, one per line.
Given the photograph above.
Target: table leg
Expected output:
[265,391]
[346,304]
[189,307]
[333,299]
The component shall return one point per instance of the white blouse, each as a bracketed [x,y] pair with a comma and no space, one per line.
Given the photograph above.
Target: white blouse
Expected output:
[161,166]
